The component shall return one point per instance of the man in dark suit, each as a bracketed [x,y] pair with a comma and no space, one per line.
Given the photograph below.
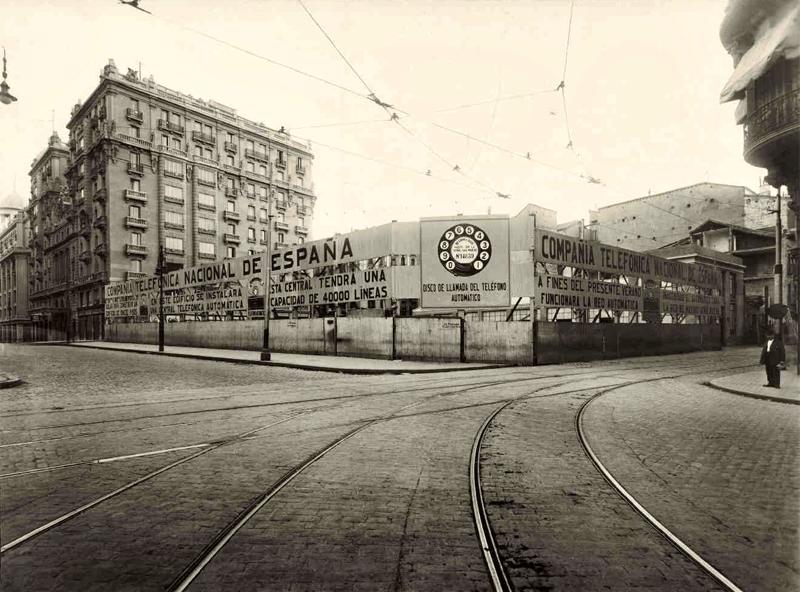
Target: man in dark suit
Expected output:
[773,354]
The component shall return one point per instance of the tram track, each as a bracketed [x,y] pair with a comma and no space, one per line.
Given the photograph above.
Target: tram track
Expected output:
[229,531]
[492,558]
[677,542]
[215,446]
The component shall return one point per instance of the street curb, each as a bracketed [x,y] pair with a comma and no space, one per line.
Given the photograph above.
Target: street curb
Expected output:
[10,381]
[751,395]
[362,371]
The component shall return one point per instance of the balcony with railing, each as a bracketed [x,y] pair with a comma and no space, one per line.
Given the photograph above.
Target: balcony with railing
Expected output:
[100,194]
[256,155]
[168,126]
[85,256]
[135,169]
[131,222]
[134,115]
[281,163]
[778,119]
[204,160]
[171,150]
[231,239]
[100,222]
[101,250]
[281,226]
[134,140]
[301,230]
[231,147]
[231,191]
[137,250]
[280,204]
[231,216]
[204,138]
[134,195]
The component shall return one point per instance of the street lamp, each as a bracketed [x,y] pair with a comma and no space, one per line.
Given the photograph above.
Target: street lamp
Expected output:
[160,269]
[5,97]
[266,355]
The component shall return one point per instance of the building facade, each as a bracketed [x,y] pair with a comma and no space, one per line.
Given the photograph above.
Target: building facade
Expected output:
[50,229]
[152,168]
[653,221]
[15,323]
[762,37]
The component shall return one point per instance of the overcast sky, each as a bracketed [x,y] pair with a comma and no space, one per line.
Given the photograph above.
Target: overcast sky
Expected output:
[642,88]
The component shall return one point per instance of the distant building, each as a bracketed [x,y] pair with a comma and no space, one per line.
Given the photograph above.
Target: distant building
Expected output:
[652,221]
[15,322]
[149,167]
[49,222]
[762,37]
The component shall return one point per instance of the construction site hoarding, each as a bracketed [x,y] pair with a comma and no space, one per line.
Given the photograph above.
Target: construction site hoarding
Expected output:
[464,262]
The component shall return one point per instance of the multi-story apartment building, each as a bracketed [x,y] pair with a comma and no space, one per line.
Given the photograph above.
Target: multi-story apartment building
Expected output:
[150,167]
[656,220]
[51,228]
[15,324]
[762,39]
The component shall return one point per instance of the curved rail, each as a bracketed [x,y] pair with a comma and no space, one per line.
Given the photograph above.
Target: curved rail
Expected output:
[491,556]
[638,508]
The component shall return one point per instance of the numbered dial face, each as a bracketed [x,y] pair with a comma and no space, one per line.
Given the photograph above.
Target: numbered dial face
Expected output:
[464,249]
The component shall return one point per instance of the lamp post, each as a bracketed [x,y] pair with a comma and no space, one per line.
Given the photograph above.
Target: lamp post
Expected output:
[266,355]
[5,97]
[160,271]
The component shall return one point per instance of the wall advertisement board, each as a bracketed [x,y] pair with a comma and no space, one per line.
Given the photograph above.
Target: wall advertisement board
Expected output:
[464,262]
[554,291]
[559,249]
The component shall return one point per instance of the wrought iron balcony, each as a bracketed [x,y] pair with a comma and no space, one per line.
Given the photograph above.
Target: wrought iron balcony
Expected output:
[132,222]
[300,230]
[204,138]
[231,147]
[134,195]
[256,155]
[229,215]
[231,192]
[134,115]
[281,226]
[232,239]
[100,194]
[778,118]
[100,222]
[135,250]
[101,249]
[135,169]
[85,256]
[168,126]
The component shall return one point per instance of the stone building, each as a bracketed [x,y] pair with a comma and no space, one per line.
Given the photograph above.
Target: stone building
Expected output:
[656,220]
[50,227]
[15,323]
[763,37]
[152,168]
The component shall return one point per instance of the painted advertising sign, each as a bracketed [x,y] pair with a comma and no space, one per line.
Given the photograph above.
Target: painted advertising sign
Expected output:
[687,303]
[559,249]
[464,262]
[373,284]
[554,291]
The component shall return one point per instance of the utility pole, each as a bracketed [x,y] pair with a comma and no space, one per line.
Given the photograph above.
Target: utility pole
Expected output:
[266,355]
[779,258]
[160,271]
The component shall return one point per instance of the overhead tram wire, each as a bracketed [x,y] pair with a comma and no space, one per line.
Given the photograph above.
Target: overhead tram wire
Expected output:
[390,109]
[262,57]
[562,85]
[497,100]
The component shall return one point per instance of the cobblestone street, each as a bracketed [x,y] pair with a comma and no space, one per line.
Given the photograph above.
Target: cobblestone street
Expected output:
[131,472]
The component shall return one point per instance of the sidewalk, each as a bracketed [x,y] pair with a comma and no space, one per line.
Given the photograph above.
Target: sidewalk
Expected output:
[340,364]
[8,380]
[750,384]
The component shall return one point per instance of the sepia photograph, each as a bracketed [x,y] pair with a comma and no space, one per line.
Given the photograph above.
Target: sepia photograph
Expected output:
[400,296]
